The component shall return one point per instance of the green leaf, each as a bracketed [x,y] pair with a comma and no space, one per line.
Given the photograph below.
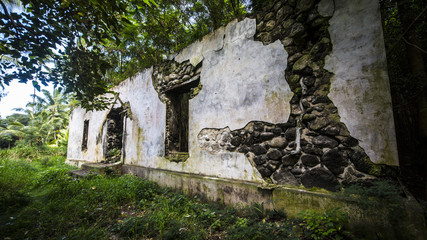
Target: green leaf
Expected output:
[147,2]
[36,85]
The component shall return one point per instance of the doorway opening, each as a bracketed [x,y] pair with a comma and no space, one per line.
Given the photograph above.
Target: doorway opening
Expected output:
[114,136]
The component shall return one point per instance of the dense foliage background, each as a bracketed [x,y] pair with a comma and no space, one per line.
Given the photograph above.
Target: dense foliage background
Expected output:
[405,35]
[43,122]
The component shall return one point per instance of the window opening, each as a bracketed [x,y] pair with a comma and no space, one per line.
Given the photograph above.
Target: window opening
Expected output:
[85,135]
[177,117]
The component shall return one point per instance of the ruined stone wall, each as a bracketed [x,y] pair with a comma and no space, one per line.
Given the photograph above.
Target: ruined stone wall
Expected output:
[296,94]
[315,147]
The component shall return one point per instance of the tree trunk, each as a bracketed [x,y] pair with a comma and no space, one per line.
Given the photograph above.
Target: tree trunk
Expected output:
[408,16]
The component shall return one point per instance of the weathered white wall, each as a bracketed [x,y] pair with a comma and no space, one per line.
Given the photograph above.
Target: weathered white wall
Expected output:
[360,88]
[238,73]
[243,80]
[94,150]
[144,133]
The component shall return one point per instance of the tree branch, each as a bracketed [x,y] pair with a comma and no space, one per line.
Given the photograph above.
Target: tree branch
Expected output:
[7,14]
[415,46]
[407,29]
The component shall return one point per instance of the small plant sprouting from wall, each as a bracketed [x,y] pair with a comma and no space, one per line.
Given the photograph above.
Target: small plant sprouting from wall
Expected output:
[114,155]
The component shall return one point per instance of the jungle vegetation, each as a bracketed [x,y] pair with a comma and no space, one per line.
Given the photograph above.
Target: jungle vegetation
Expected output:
[86,47]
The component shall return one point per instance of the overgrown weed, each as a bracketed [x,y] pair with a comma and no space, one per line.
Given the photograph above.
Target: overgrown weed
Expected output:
[40,200]
[32,153]
[324,225]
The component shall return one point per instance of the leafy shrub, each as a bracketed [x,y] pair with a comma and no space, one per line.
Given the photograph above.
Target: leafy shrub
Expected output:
[254,222]
[325,225]
[16,178]
[256,211]
[12,200]
[53,175]
[245,228]
[113,155]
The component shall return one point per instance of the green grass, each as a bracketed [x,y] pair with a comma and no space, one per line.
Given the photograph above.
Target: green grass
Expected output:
[39,200]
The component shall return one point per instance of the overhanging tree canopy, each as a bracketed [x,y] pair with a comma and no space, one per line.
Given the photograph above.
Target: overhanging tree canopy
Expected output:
[95,44]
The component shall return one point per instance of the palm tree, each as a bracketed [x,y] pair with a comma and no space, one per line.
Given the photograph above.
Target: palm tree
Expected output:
[54,103]
[50,112]
[11,133]
[48,118]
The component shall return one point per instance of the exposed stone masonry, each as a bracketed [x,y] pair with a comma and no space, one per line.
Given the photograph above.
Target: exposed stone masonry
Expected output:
[314,148]
[328,153]
[114,123]
[172,75]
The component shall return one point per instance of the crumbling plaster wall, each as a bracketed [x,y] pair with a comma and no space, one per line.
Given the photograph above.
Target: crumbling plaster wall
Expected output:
[231,75]
[243,80]
[143,128]
[360,86]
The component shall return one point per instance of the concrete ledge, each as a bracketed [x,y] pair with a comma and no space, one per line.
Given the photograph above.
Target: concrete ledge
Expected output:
[370,219]
[103,168]
[76,162]
[82,173]
[226,191]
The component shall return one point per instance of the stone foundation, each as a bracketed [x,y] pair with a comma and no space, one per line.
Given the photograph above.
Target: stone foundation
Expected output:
[373,220]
